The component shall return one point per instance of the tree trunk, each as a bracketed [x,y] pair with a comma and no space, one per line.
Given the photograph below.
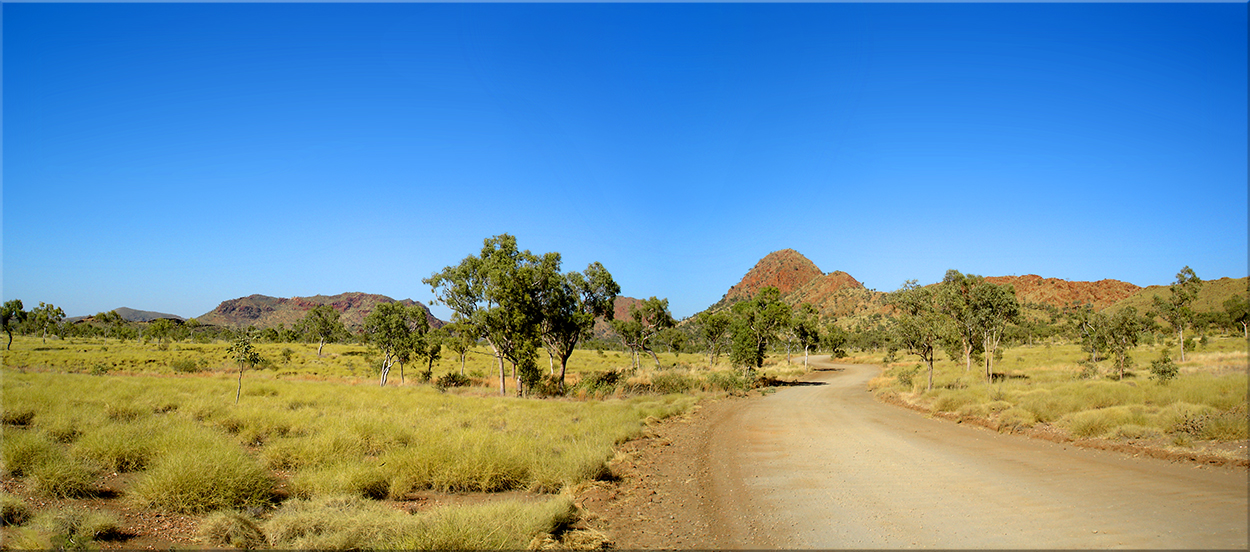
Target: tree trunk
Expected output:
[402,380]
[239,391]
[503,377]
[1180,332]
[1245,332]
[967,355]
[319,346]
[655,358]
[930,360]
[551,363]
[462,364]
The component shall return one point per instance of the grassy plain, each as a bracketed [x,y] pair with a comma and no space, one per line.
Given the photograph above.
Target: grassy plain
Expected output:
[315,454]
[1049,384]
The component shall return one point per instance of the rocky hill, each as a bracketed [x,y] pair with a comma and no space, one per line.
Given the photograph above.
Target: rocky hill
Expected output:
[800,281]
[1032,288]
[1210,298]
[264,311]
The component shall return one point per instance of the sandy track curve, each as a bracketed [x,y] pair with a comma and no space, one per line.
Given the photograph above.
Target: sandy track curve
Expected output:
[826,466]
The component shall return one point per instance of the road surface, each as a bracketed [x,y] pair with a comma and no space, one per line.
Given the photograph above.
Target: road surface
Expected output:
[824,465]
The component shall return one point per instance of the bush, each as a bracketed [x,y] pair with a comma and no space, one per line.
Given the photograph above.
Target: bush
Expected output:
[232,528]
[185,366]
[671,382]
[452,379]
[1163,369]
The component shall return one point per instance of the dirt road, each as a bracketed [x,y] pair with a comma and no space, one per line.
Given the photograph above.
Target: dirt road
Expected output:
[824,465]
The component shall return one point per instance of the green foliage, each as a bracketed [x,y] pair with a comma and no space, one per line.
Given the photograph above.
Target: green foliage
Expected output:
[451,379]
[1176,309]
[757,323]
[11,315]
[1163,369]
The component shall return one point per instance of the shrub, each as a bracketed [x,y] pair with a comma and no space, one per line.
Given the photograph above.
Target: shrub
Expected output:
[232,528]
[671,382]
[185,366]
[452,379]
[13,510]
[1163,369]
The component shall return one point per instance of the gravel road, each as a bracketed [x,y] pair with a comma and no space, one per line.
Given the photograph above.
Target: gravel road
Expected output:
[824,465]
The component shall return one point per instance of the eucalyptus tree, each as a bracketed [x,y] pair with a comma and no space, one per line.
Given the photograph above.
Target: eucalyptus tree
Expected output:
[459,340]
[46,317]
[757,323]
[805,327]
[569,304]
[322,323]
[834,338]
[713,328]
[918,324]
[245,354]
[644,324]
[11,315]
[1123,330]
[395,329]
[493,295]
[955,301]
[160,330]
[1090,326]
[1175,309]
[993,307]
[1238,310]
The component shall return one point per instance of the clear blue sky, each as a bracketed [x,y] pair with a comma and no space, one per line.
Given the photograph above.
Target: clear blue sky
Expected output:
[168,157]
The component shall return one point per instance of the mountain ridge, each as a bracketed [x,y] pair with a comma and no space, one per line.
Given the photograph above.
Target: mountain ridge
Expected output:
[263,311]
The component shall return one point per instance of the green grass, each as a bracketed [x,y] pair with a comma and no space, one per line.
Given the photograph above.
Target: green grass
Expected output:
[349,522]
[1043,385]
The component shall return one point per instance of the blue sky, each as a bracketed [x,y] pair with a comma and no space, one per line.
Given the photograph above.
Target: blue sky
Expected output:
[170,156]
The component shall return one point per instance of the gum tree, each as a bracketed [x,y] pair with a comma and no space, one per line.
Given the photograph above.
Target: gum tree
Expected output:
[322,323]
[395,329]
[757,323]
[245,354]
[1175,309]
[644,323]
[1123,331]
[493,295]
[10,316]
[918,324]
[992,307]
[1238,309]
[569,304]
[713,328]
[46,317]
